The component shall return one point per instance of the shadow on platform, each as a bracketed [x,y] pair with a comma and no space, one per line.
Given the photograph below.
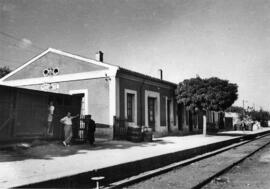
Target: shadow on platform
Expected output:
[48,150]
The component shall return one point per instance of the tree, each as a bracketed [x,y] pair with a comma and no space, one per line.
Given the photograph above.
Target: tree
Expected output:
[206,94]
[4,71]
[236,109]
[262,116]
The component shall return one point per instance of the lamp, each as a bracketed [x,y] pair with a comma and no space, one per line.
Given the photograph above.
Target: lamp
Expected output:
[107,78]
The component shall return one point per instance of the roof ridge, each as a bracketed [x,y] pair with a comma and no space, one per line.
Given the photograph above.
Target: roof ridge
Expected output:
[147,76]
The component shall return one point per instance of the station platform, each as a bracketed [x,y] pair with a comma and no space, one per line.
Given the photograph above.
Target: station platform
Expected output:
[49,164]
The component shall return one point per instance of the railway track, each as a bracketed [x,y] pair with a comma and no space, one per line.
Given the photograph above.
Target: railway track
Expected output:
[198,171]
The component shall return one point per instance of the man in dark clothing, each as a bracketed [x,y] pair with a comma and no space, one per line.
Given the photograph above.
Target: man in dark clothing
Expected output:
[91,128]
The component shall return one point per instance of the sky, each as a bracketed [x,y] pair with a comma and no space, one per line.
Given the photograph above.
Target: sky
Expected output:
[229,39]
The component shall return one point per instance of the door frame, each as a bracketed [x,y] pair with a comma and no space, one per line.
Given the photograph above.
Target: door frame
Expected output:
[154,111]
[168,113]
[128,91]
[157,107]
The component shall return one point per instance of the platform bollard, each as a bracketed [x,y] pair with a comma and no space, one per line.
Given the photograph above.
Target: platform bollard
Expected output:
[97,179]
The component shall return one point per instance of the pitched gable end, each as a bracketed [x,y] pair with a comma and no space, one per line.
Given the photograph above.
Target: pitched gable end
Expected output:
[53,59]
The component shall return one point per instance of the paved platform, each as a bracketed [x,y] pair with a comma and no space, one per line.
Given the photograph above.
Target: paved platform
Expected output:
[45,162]
[241,132]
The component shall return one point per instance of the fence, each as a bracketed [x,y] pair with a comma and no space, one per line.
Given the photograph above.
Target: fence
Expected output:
[24,112]
[81,130]
[119,129]
[215,121]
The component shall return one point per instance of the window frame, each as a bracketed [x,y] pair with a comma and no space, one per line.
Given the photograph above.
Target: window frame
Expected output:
[134,110]
[130,107]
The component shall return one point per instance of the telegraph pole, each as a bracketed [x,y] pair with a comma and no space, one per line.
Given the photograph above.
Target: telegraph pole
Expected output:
[244,105]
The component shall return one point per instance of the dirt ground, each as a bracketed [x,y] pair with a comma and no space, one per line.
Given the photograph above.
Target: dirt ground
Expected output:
[253,173]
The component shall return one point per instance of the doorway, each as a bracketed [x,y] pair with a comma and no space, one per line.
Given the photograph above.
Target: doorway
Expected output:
[180,113]
[84,103]
[190,121]
[169,115]
[151,112]
[80,133]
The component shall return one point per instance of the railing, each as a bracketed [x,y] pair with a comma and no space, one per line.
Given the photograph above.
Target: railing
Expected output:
[119,129]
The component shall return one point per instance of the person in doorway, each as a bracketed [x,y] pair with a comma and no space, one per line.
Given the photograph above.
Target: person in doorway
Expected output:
[91,128]
[67,121]
[50,119]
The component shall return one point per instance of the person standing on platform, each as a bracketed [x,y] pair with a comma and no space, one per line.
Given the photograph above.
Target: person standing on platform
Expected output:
[50,119]
[67,121]
[91,128]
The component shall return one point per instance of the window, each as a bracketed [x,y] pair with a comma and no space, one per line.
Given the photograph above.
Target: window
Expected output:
[130,107]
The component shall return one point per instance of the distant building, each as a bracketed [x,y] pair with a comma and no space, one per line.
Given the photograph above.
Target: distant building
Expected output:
[234,115]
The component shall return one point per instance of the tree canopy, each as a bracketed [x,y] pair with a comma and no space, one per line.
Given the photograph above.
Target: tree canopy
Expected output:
[236,109]
[260,115]
[207,94]
[4,71]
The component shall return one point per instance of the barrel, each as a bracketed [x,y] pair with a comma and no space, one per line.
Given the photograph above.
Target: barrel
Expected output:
[134,134]
[148,136]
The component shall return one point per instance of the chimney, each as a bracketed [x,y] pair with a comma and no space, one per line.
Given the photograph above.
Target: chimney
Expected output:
[161,74]
[99,56]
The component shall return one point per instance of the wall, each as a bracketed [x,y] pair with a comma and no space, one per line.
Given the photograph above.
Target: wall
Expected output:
[143,87]
[65,65]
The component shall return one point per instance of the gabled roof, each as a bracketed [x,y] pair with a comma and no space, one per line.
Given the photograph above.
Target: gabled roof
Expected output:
[112,70]
[52,50]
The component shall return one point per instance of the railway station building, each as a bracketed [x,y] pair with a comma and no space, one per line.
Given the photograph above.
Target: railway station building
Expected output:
[109,92]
